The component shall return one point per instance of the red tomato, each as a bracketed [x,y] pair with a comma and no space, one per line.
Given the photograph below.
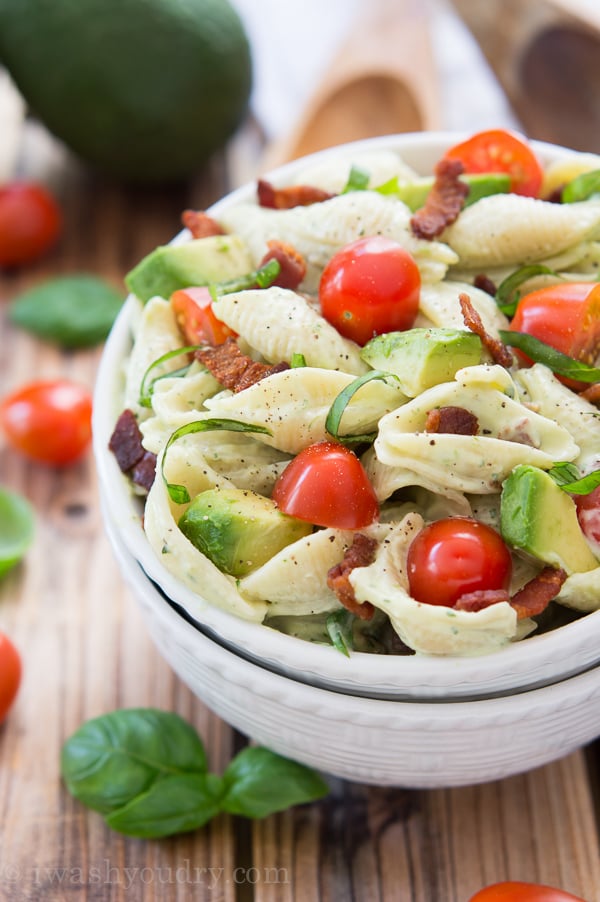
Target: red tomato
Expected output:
[48,421]
[30,223]
[326,484]
[564,316]
[369,287]
[588,514]
[500,151]
[454,556]
[516,891]
[10,674]
[193,309]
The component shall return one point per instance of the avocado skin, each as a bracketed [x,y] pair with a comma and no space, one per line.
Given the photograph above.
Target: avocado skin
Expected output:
[197,262]
[239,530]
[422,358]
[539,518]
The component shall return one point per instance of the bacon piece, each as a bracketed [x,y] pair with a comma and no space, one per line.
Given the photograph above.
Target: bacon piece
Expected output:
[452,420]
[535,596]
[290,196]
[133,459]
[592,393]
[232,368]
[292,264]
[360,554]
[200,224]
[444,202]
[500,353]
[484,283]
[482,598]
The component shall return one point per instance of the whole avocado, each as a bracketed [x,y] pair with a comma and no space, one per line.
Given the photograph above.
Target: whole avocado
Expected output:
[146,90]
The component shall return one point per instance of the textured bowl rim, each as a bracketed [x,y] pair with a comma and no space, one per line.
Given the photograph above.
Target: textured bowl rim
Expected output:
[542,659]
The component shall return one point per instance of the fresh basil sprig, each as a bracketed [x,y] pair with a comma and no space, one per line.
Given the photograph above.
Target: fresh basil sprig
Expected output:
[145,771]
[178,493]
[567,476]
[75,311]
[507,296]
[336,411]
[582,187]
[558,362]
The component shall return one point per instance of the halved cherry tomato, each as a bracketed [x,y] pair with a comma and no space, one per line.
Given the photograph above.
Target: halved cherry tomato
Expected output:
[48,421]
[10,674]
[588,514]
[369,287]
[498,150]
[454,556]
[517,891]
[193,309]
[564,316]
[30,223]
[327,485]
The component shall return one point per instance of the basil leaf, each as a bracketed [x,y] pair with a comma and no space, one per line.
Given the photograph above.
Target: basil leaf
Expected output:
[259,782]
[16,529]
[339,630]
[298,360]
[506,297]
[563,472]
[112,759]
[74,311]
[559,363]
[336,411]
[178,493]
[147,384]
[358,180]
[175,803]
[566,475]
[264,276]
[582,187]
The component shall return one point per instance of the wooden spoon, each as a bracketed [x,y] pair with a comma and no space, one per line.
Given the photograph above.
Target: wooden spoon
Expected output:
[382,81]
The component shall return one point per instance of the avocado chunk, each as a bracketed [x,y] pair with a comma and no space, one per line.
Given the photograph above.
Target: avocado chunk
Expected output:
[538,517]
[422,358]
[197,262]
[239,530]
[414,194]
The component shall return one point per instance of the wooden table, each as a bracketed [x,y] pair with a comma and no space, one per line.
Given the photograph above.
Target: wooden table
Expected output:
[86,652]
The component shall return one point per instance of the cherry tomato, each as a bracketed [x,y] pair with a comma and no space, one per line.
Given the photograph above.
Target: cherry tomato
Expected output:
[10,674]
[588,514]
[30,223]
[497,150]
[564,316]
[454,556]
[369,287]
[48,421]
[326,484]
[516,891]
[193,309]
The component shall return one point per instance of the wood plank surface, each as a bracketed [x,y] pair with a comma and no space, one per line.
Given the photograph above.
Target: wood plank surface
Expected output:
[86,651]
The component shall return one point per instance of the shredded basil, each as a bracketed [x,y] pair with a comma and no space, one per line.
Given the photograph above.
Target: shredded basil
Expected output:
[567,476]
[298,360]
[582,187]
[507,297]
[264,276]
[339,630]
[558,362]
[336,411]
[178,493]
[358,180]
[147,384]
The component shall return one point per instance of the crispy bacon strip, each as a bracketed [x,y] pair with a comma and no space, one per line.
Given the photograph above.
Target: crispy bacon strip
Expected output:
[200,224]
[291,261]
[444,202]
[133,459]
[536,595]
[290,196]
[592,393]
[500,353]
[452,420]
[232,368]
[482,598]
[360,554]
[484,283]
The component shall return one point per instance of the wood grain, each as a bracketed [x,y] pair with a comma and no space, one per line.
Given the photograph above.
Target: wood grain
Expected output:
[86,651]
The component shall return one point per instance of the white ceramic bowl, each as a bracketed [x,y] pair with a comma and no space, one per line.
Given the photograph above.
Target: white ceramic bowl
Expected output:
[384,742]
[538,661]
